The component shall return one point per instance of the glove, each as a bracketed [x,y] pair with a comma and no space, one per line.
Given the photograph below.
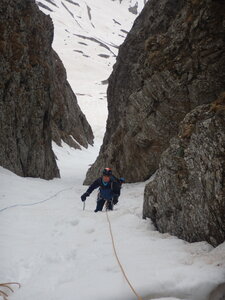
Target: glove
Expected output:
[84,196]
[122,180]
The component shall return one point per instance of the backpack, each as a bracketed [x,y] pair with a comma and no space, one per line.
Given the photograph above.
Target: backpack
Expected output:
[116,186]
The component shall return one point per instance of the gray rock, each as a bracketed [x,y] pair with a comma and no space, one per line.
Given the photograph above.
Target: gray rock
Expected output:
[35,98]
[68,123]
[172,60]
[218,293]
[187,196]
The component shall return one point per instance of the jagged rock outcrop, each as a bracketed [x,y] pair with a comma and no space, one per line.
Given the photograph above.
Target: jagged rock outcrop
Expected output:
[35,98]
[187,195]
[172,60]
[68,123]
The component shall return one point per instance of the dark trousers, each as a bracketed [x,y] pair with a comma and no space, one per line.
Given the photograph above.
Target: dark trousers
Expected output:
[115,199]
[101,202]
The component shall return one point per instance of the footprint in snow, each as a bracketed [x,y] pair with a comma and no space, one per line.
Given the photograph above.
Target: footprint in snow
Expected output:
[112,269]
[90,230]
[57,233]
[74,222]
[72,255]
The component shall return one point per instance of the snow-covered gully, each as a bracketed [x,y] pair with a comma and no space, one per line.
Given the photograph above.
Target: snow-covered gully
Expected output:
[54,248]
[58,251]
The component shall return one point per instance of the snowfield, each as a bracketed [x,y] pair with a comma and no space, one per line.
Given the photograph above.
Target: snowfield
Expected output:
[57,250]
[87,36]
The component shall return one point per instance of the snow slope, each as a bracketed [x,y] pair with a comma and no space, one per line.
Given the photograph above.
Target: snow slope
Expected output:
[59,251]
[87,36]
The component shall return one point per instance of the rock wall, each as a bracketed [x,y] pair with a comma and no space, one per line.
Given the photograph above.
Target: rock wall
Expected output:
[35,98]
[187,195]
[172,60]
[68,123]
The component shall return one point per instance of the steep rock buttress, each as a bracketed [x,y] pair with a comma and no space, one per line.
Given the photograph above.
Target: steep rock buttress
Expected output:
[187,195]
[172,60]
[36,101]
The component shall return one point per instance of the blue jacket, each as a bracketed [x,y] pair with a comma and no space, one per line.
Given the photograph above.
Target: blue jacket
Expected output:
[105,188]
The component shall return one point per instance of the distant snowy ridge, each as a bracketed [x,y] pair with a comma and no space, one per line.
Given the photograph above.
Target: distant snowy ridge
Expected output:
[91,29]
[87,35]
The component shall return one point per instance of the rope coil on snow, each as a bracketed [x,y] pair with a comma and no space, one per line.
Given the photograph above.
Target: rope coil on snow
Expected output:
[4,295]
[119,263]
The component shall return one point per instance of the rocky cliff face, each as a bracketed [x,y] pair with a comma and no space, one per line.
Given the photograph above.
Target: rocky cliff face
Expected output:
[171,61]
[187,195]
[68,123]
[35,99]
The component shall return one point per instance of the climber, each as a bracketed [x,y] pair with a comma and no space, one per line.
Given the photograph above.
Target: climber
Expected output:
[109,190]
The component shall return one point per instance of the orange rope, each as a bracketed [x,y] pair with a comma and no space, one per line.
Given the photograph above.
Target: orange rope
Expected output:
[119,263]
[7,285]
